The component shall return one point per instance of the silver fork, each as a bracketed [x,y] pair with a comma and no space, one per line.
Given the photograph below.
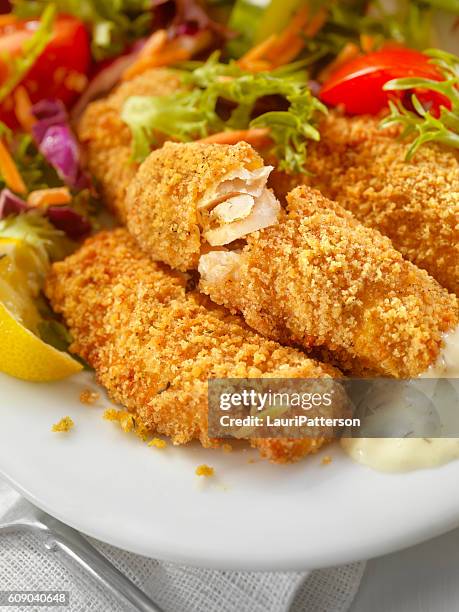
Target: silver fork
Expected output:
[16,513]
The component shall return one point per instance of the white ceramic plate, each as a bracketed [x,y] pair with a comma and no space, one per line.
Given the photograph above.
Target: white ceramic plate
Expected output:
[249,516]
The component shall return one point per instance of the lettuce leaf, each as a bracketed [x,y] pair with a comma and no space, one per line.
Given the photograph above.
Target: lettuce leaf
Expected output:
[195,113]
[32,228]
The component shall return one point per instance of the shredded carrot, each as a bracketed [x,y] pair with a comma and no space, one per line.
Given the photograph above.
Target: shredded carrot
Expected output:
[154,44]
[298,22]
[166,58]
[316,23]
[259,50]
[291,34]
[9,171]
[258,137]
[23,109]
[282,48]
[257,66]
[347,53]
[161,51]
[43,198]
[171,56]
[287,55]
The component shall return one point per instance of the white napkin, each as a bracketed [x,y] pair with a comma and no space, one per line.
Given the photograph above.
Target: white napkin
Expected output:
[25,565]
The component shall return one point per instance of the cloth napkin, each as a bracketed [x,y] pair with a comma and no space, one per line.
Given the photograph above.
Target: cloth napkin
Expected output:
[25,565]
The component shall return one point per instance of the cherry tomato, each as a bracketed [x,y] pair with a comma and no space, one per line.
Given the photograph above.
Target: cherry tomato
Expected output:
[59,72]
[358,84]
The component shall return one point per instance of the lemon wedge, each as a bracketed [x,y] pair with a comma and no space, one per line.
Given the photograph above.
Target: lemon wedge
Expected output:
[25,356]
[22,353]
[21,275]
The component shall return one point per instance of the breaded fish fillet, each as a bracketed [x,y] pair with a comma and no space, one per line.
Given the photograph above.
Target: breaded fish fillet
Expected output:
[106,139]
[322,280]
[415,203]
[316,277]
[154,345]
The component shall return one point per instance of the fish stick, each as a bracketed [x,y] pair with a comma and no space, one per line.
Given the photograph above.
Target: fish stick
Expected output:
[154,345]
[313,277]
[415,203]
[106,139]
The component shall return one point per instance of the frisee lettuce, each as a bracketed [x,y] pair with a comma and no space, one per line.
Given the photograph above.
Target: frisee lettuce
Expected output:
[32,49]
[194,112]
[419,122]
[180,116]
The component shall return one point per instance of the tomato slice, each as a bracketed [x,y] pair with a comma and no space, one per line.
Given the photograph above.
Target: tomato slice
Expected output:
[358,84]
[59,72]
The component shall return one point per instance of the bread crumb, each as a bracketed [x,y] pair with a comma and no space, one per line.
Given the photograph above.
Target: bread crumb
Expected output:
[65,424]
[111,414]
[227,448]
[158,443]
[128,422]
[89,397]
[326,460]
[204,470]
[123,417]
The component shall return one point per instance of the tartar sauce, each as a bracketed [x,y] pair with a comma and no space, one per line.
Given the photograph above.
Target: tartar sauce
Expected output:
[401,454]
[408,454]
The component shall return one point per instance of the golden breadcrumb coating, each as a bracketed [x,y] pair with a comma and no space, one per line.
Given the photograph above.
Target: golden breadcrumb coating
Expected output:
[106,139]
[322,279]
[163,197]
[415,203]
[154,345]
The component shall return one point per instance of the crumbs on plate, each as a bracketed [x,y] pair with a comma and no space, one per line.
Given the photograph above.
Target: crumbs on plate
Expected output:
[123,417]
[88,397]
[65,424]
[326,460]
[158,443]
[204,470]
[127,421]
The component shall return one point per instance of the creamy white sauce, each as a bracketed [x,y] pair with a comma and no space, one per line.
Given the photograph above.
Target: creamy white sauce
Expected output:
[401,454]
[408,454]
